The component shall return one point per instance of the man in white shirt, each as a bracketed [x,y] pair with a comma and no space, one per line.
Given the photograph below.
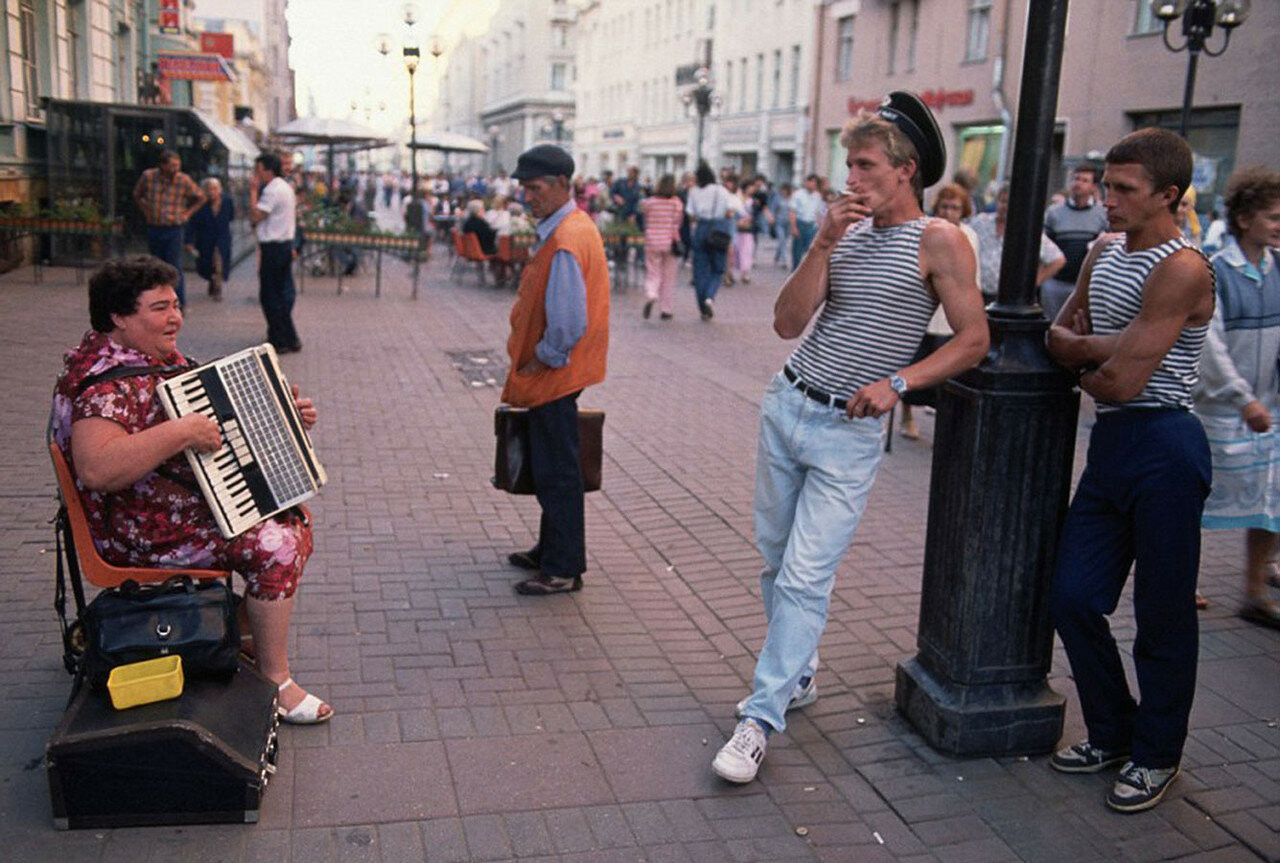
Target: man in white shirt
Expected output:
[272,206]
[805,204]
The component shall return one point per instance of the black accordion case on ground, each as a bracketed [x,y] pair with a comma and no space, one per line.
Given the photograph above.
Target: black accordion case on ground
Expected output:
[202,758]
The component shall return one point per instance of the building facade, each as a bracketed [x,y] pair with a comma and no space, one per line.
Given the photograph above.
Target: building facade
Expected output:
[527,72]
[965,58]
[642,60]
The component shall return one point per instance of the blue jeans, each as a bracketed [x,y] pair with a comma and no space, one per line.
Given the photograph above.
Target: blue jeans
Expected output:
[708,264]
[806,231]
[165,242]
[1138,506]
[814,470]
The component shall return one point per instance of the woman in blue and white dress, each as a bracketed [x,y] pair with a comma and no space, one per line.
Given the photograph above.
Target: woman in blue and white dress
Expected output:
[1238,397]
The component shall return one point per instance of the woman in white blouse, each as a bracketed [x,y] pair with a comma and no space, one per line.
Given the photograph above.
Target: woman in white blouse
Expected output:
[714,211]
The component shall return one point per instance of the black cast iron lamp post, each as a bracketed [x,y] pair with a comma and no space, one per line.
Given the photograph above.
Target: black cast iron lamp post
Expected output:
[1199,17]
[702,98]
[411,56]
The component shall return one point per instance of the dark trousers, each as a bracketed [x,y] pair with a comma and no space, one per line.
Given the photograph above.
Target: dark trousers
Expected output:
[276,293]
[557,476]
[708,263]
[165,242]
[1138,502]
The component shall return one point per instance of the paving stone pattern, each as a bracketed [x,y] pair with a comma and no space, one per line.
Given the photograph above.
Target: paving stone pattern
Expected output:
[474,724]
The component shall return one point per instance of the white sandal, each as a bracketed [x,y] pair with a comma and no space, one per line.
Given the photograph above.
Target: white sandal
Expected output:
[306,711]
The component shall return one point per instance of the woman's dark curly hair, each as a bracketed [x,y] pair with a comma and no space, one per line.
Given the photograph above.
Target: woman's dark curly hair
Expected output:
[1250,190]
[114,288]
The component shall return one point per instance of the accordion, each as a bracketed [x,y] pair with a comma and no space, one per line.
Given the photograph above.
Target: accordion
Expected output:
[266,463]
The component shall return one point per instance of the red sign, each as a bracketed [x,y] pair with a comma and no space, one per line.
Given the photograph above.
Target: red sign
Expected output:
[223,44]
[170,17]
[193,67]
[935,99]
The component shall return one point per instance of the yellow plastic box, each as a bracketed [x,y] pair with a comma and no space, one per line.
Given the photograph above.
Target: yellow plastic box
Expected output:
[145,682]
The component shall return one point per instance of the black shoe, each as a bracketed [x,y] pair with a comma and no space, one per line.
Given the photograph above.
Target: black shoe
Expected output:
[530,559]
[1084,757]
[648,310]
[545,585]
[1140,788]
[666,316]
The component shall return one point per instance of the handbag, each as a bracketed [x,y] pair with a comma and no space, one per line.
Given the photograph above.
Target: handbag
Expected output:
[194,620]
[512,468]
[718,240]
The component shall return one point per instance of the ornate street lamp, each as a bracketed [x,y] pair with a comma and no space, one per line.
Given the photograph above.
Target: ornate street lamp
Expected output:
[702,98]
[411,56]
[1198,20]
[557,122]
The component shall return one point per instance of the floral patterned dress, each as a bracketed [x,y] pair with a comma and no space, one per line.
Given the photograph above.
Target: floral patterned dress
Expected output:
[160,521]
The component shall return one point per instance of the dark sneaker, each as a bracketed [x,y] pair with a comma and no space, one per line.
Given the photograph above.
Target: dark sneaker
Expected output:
[525,559]
[1084,757]
[739,759]
[545,585]
[1140,788]
[805,693]
[647,310]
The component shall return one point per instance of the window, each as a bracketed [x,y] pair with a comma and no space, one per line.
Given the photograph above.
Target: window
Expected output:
[27,42]
[777,78]
[728,84]
[560,37]
[844,49]
[1145,21]
[759,81]
[912,34]
[742,90]
[795,76]
[979,29]
[558,76]
[895,10]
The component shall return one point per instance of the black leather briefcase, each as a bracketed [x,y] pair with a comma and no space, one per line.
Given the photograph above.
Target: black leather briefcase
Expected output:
[512,468]
[202,758]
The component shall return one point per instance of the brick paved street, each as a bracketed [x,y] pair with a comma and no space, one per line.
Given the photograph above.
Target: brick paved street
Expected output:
[474,724]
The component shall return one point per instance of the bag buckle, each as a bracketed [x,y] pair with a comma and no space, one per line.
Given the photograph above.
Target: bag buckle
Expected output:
[163,630]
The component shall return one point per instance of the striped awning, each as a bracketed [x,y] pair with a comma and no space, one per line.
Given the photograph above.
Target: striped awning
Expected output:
[194,67]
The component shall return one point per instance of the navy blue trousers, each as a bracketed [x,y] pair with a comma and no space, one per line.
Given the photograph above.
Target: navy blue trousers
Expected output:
[1138,505]
[165,242]
[557,478]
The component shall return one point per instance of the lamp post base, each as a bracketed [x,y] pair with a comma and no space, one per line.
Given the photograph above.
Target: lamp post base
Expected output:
[966,720]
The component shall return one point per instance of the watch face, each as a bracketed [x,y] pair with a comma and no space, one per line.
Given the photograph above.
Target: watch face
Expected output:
[898,383]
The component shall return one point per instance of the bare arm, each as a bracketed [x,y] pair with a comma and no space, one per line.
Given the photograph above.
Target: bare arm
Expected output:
[108,458]
[1179,292]
[948,264]
[1049,270]
[806,288]
[198,201]
[1070,338]
[255,215]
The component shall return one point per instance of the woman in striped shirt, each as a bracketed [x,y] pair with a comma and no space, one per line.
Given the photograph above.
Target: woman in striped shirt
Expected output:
[663,212]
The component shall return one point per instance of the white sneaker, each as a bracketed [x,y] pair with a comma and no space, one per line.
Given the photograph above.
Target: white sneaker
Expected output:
[801,696]
[739,759]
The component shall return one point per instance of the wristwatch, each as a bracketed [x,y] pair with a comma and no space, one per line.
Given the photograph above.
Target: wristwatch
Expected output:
[898,384]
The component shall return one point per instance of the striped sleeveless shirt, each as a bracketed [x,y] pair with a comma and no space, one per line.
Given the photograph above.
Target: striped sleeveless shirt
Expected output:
[876,311]
[1115,298]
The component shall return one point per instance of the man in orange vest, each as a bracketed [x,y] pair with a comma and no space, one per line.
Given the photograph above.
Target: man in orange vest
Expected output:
[559,339]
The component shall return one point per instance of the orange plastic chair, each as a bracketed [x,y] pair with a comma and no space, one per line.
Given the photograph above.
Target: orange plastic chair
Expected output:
[471,251]
[93,568]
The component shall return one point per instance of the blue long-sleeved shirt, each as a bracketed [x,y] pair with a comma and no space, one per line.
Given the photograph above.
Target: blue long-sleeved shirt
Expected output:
[566,298]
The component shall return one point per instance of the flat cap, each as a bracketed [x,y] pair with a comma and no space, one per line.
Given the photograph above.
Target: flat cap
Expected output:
[913,118]
[544,160]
